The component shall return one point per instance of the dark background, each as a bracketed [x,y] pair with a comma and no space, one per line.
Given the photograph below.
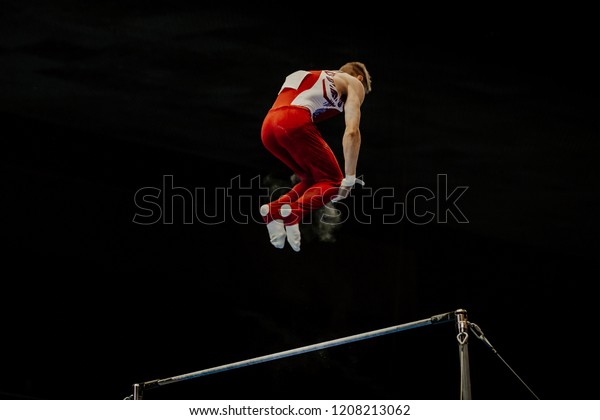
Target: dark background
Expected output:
[102,98]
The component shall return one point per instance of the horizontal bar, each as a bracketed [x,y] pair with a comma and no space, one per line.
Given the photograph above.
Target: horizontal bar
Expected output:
[449,316]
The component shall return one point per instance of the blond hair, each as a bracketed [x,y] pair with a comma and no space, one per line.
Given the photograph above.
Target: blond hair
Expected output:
[356,68]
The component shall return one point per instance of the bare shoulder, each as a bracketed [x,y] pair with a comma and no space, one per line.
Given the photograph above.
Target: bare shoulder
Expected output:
[348,85]
[341,81]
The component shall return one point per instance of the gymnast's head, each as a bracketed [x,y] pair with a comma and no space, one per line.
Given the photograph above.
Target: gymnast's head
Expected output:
[358,70]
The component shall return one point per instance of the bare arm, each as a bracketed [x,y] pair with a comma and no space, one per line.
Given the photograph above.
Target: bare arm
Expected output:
[352,139]
[355,95]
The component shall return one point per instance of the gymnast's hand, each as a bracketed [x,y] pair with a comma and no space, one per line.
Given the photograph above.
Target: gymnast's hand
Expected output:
[347,184]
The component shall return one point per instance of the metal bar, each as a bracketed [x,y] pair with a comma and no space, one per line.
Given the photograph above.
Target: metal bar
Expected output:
[449,316]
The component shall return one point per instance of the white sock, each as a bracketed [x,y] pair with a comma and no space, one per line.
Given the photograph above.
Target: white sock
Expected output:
[277,233]
[285,210]
[293,236]
[264,209]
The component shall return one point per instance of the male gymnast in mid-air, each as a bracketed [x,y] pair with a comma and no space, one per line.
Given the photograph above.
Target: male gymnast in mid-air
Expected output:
[290,133]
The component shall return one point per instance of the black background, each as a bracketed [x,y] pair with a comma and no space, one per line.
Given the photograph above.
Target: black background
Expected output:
[102,99]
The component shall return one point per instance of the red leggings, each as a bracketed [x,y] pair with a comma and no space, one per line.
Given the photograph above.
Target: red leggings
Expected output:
[291,136]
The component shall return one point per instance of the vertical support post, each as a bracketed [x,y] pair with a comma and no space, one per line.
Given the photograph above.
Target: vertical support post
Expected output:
[463,353]
[138,391]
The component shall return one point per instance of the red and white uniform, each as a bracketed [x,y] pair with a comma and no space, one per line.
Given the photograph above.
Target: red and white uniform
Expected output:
[314,90]
[289,132]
